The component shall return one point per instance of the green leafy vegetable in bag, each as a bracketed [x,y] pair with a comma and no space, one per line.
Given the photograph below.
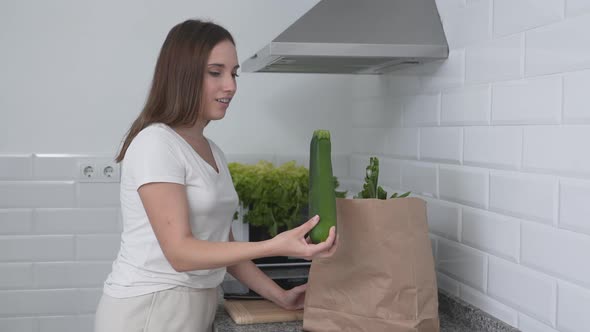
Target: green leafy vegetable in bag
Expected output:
[371,188]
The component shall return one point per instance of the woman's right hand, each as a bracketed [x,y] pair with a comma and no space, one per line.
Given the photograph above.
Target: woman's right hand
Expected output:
[293,242]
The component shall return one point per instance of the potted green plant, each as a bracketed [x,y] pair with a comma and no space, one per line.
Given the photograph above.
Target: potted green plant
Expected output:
[272,198]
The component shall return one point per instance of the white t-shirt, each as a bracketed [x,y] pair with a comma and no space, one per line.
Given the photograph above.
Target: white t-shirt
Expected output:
[159,154]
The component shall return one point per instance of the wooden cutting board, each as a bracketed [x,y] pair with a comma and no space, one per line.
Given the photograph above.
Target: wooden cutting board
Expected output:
[259,311]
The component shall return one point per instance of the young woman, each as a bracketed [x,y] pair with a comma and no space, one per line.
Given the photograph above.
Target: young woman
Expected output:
[178,200]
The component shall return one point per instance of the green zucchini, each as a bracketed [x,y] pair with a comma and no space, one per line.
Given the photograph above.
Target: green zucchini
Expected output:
[322,198]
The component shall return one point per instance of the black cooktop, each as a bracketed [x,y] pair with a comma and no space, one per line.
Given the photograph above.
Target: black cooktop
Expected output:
[285,276]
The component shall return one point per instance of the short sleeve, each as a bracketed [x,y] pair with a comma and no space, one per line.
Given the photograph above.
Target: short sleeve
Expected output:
[153,157]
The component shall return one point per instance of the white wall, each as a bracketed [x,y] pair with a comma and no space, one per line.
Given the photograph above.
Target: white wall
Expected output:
[496,140]
[277,113]
[74,74]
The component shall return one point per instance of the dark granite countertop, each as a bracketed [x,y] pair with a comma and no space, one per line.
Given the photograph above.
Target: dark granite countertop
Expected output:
[455,316]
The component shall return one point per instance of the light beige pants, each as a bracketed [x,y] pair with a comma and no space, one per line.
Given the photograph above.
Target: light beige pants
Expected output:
[180,309]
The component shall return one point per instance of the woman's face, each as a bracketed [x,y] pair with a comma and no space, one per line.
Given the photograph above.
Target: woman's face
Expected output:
[220,80]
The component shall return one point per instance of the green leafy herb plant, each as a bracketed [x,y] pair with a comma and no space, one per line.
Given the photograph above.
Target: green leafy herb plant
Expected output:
[371,188]
[275,198]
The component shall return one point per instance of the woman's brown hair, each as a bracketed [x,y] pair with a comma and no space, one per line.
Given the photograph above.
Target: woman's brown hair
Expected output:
[175,94]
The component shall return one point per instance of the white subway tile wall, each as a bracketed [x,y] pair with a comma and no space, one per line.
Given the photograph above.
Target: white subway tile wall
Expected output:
[421,111]
[403,142]
[434,246]
[575,97]
[368,140]
[447,284]
[16,275]
[95,195]
[489,305]
[493,145]
[526,323]
[441,144]
[494,139]
[444,219]
[466,106]
[532,101]
[566,258]
[419,177]
[445,74]
[573,203]
[513,16]
[78,221]
[59,236]
[465,185]
[16,167]
[559,47]
[501,158]
[403,82]
[41,302]
[389,172]
[522,288]
[555,149]
[369,112]
[20,324]
[462,263]
[36,248]
[577,7]
[16,221]
[491,232]
[465,25]
[55,166]
[50,194]
[495,60]
[60,323]
[523,195]
[572,307]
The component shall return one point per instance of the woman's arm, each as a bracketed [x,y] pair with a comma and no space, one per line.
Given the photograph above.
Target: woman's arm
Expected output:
[250,275]
[167,209]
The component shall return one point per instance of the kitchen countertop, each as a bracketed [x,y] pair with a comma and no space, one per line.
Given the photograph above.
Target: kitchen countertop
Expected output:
[455,316]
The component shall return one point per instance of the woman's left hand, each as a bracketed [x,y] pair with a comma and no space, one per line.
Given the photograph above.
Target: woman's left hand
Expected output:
[293,242]
[293,298]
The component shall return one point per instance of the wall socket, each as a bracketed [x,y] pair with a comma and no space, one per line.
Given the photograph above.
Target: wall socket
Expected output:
[98,170]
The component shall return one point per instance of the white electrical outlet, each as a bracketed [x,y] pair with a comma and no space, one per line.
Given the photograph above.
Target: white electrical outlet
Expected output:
[109,171]
[98,170]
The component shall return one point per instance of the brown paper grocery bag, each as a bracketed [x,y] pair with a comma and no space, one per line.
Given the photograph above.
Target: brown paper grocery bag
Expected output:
[381,277]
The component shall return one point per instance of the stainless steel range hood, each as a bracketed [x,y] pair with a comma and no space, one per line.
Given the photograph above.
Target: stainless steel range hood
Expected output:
[356,37]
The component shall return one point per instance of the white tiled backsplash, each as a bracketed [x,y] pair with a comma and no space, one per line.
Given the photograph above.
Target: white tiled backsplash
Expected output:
[59,236]
[495,139]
